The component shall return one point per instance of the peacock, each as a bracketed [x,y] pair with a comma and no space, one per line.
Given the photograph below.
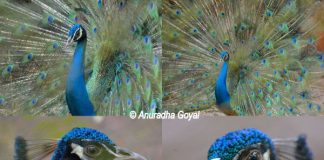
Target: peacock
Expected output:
[253,144]
[78,144]
[245,57]
[98,57]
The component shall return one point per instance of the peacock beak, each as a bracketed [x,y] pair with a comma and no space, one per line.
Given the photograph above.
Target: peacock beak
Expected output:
[126,154]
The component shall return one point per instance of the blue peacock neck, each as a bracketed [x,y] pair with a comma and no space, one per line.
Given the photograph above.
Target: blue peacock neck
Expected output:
[221,92]
[76,94]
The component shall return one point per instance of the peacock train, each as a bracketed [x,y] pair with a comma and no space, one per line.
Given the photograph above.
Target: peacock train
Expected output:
[84,58]
[243,57]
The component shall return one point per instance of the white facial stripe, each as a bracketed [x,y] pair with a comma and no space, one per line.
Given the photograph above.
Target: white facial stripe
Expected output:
[266,155]
[118,156]
[80,35]
[109,150]
[75,33]
[78,150]
[79,29]
[216,159]
[133,155]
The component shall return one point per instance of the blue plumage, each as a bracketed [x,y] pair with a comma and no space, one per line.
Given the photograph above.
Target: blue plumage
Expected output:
[223,99]
[221,92]
[76,93]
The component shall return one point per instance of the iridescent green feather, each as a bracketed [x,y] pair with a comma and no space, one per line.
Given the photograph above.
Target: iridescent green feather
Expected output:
[34,60]
[273,59]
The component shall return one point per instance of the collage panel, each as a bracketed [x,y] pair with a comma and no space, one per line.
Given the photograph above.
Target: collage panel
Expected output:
[239,138]
[172,79]
[82,58]
[79,138]
[245,57]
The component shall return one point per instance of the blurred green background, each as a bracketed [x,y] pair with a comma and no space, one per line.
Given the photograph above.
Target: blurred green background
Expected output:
[141,136]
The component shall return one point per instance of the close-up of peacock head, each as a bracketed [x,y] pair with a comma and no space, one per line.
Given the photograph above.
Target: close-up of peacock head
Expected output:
[248,144]
[78,144]
[253,144]
[76,33]
[225,56]
[88,149]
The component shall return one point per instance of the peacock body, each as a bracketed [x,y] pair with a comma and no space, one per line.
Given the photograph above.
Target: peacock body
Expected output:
[110,66]
[247,57]
[78,144]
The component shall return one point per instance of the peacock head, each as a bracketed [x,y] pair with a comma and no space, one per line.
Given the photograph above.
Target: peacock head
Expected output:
[86,144]
[246,144]
[225,56]
[76,33]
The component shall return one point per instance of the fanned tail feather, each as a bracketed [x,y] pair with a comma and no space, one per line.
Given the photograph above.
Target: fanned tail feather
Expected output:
[33,149]
[273,59]
[293,149]
[122,63]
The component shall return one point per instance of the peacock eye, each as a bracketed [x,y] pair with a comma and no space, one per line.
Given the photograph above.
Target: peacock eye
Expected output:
[121,4]
[226,57]
[92,151]
[254,156]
